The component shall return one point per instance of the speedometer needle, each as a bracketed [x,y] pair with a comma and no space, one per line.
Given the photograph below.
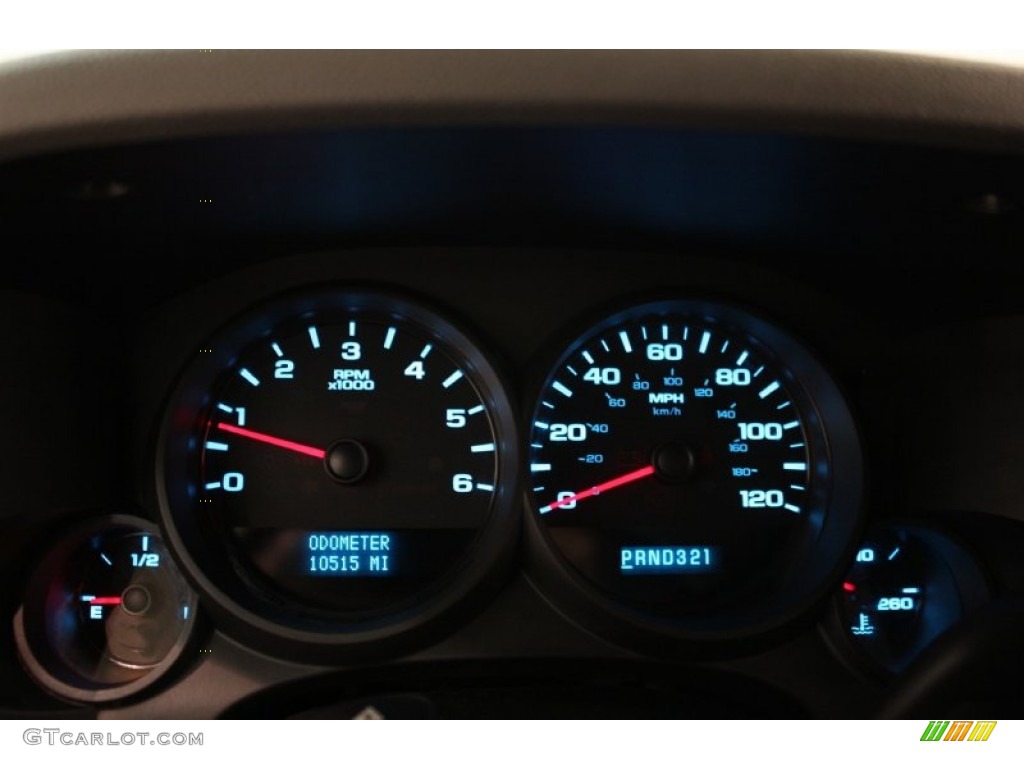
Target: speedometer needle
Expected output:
[629,477]
[307,450]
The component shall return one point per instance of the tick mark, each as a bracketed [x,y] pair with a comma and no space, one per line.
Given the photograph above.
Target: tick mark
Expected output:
[451,379]
[559,387]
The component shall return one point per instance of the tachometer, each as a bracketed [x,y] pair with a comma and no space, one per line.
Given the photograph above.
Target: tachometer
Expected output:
[340,470]
[692,467]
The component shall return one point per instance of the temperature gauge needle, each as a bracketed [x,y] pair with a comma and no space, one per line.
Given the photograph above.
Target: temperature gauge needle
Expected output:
[630,477]
[307,450]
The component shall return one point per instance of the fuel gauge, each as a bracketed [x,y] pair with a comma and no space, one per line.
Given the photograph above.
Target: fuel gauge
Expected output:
[105,613]
[908,585]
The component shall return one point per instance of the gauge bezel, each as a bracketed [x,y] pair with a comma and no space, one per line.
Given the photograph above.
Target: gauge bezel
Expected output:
[32,639]
[435,610]
[820,565]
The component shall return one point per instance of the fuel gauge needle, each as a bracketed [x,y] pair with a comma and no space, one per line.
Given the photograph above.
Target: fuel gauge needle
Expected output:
[93,600]
[596,490]
[307,450]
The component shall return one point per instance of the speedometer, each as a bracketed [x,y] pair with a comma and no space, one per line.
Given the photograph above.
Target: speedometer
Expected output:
[692,467]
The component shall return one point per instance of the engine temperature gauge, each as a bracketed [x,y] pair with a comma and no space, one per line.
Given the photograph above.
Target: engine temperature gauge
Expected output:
[907,586]
[105,613]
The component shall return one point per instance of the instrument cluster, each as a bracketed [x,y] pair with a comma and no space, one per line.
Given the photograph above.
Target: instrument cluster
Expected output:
[429,407]
[341,461]
[352,470]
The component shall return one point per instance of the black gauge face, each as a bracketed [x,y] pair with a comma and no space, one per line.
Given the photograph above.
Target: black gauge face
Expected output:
[107,609]
[681,465]
[906,586]
[345,461]
[349,460]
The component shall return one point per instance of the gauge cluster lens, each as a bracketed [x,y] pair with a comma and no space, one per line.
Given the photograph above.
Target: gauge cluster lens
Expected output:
[691,462]
[907,586]
[106,612]
[344,457]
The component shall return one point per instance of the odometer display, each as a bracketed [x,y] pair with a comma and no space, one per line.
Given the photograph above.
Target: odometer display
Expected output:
[680,464]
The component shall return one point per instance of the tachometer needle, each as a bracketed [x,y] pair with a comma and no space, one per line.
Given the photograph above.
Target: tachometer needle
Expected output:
[630,477]
[307,450]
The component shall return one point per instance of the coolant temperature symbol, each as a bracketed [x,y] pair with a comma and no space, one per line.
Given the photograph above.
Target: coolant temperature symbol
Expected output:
[864,627]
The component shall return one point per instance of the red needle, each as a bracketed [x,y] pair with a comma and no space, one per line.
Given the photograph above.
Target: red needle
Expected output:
[638,474]
[308,450]
[105,601]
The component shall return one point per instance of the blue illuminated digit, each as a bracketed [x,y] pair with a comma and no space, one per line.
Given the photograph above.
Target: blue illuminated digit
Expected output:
[896,604]
[455,418]
[658,352]
[758,431]
[233,481]
[575,433]
[732,377]
[562,495]
[607,376]
[758,499]
[284,369]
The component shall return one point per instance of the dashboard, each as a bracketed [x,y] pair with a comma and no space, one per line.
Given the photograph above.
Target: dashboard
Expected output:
[448,390]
